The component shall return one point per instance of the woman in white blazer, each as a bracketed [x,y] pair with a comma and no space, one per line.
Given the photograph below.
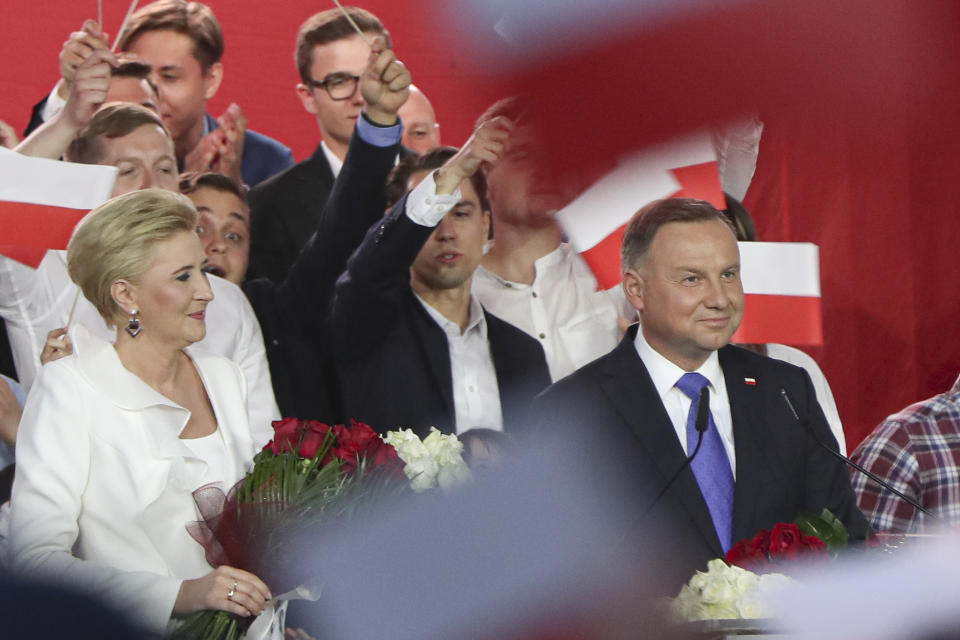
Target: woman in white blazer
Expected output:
[116,437]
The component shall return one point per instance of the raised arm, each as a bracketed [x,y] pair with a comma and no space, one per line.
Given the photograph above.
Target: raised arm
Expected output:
[357,199]
[88,91]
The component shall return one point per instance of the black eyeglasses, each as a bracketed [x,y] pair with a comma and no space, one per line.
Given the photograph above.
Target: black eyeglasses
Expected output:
[339,86]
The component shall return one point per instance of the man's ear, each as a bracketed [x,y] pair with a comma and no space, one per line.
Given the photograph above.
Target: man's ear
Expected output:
[486,224]
[307,99]
[212,79]
[124,294]
[633,287]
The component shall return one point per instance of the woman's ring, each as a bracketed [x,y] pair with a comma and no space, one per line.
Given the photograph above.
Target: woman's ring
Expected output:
[233,590]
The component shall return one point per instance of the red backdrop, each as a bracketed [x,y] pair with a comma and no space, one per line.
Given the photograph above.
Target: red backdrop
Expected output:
[872,183]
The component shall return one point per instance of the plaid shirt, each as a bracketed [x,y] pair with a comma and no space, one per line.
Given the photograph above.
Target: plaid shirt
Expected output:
[918,452]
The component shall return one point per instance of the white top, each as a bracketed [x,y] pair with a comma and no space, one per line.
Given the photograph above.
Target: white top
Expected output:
[476,394]
[665,375]
[563,310]
[103,486]
[213,450]
[35,301]
[820,386]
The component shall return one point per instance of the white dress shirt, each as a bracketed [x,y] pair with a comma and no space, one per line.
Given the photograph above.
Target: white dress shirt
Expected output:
[563,310]
[35,301]
[665,375]
[336,164]
[476,394]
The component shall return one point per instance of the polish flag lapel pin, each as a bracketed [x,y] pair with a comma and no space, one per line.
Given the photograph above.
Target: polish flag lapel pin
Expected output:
[750,382]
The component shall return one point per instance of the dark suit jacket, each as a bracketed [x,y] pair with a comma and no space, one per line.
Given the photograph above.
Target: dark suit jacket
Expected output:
[262,156]
[284,212]
[611,409]
[293,314]
[393,358]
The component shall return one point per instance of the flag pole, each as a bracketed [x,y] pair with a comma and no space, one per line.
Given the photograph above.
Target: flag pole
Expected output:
[353,24]
[123,26]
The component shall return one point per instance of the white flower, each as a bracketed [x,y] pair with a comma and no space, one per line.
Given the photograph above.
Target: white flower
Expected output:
[726,592]
[437,460]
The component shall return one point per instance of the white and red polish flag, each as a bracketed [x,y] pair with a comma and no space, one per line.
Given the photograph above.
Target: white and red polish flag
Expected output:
[781,284]
[42,200]
[594,222]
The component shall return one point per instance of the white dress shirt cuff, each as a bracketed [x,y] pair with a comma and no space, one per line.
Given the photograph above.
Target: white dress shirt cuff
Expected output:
[54,104]
[425,206]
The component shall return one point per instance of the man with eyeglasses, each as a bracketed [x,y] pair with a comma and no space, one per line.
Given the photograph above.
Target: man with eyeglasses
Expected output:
[285,209]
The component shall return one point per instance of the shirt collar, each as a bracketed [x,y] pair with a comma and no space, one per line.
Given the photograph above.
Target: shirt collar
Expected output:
[540,265]
[477,321]
[665,373]
[335,163]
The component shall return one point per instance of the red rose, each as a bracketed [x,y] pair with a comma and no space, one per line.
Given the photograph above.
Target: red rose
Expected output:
[358,442]
[762,541]
[286,434]
[785,540]
[313,437]
[748,555]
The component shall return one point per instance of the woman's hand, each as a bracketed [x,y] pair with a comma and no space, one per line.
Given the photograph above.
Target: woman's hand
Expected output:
[58,346]
[225,588]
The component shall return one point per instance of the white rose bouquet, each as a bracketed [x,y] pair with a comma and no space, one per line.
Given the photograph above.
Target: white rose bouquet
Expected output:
[726,592]
[437,460]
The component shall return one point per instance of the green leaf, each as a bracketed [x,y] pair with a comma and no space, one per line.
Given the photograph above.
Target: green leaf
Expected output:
[825,526]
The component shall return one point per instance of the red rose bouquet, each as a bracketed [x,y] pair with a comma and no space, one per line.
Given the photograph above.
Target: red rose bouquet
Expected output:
[308,474]
[770,549]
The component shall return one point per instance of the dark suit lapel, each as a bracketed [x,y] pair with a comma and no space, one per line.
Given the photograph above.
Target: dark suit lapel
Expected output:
[316,180]
[746,391]
[631,392]
[435,351]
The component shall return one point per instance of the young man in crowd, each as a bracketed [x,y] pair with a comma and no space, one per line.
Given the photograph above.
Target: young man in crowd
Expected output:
[414,348]
[183,43]
[529,276]
[330,57]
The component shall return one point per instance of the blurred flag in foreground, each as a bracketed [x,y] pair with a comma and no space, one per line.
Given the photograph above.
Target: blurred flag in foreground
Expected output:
[42,200]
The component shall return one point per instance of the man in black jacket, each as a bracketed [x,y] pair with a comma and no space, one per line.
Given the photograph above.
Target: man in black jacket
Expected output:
[414,348]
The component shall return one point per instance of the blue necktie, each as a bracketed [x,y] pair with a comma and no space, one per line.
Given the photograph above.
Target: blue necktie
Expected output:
[711,467]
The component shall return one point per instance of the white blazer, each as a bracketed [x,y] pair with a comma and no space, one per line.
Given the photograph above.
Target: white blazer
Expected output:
[103,485]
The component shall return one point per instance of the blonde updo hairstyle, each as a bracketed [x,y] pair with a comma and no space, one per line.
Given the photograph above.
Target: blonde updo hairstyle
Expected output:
[116,240]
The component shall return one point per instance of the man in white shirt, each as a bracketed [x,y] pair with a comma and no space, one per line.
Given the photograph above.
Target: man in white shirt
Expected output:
[414,348]
[529,276]
[36,301]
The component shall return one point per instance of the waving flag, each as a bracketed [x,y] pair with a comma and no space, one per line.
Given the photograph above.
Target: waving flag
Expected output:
[781,283]
[42,200]
[595,221]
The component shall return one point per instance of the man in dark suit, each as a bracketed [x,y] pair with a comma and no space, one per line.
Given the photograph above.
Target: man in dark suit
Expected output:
[634,409]
[330,58]
[293,314]
[414,348]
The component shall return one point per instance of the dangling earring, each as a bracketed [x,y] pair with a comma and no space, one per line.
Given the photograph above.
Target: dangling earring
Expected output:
[133,326]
